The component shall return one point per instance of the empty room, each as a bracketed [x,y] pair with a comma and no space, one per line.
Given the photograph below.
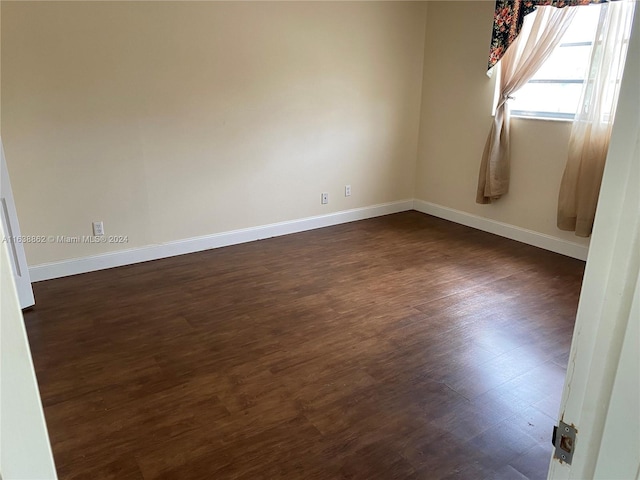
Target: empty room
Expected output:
[319,240]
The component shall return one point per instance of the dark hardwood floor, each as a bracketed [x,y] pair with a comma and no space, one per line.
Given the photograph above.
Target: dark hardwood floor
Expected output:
[401,347]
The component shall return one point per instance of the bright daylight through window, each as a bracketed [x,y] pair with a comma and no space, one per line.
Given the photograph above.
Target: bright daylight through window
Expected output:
[554,91]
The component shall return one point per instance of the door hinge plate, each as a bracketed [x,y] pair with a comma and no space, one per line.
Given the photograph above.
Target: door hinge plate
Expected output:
[564,439]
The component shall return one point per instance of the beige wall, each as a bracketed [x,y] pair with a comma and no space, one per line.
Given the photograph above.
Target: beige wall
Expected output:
[456,118]
[169,120]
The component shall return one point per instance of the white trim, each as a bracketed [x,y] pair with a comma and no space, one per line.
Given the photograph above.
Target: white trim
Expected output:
[541,119]
[11,226]
[75,266]
[523,235]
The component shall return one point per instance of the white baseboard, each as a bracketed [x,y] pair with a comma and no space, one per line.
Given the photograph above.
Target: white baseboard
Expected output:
[75,266]
[153,252]
[523,235]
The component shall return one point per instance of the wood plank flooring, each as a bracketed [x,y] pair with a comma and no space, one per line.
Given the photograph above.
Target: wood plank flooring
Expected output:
[400,347]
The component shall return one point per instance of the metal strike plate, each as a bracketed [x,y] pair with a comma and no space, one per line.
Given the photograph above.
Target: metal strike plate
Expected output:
[565,442]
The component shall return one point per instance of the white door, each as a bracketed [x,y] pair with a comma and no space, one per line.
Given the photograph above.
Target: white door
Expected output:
[602,389]
[25,452]
[11,228]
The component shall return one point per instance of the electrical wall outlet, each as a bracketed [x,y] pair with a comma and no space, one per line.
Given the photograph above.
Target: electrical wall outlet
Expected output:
[98,229]
[347,190]
[324,199]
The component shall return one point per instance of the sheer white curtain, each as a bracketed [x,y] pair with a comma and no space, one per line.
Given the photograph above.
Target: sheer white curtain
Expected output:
[591,129]
[541,32]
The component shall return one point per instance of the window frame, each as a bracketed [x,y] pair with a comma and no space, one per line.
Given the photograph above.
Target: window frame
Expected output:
[546,115]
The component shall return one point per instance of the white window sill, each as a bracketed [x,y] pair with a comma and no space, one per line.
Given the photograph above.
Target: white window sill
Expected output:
[544,119]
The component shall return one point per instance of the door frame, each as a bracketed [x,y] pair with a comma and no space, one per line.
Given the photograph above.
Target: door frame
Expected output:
[11,227]
[606,316]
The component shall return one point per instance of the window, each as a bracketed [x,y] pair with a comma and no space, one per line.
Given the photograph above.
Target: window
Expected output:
[554,91]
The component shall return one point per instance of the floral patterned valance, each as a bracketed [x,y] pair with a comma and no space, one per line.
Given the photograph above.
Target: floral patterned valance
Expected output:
[508,18]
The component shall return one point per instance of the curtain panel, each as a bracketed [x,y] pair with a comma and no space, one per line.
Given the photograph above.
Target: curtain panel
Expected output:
[591,131]
[519,64]
[508,18]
